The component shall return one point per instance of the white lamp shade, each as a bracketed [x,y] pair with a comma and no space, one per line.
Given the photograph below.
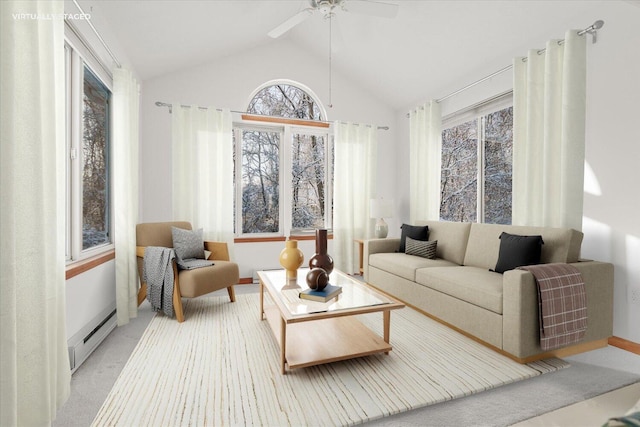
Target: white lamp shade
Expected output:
[381,208]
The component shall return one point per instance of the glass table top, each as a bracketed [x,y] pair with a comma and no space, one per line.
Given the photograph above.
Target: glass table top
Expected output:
[354,293]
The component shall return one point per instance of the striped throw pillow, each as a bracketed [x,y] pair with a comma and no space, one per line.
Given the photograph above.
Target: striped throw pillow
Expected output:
[424,249]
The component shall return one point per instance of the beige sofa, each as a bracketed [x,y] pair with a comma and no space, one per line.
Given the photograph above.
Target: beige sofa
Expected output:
[501,310]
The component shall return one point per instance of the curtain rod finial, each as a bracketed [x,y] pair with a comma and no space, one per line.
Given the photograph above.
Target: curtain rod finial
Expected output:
[593,30]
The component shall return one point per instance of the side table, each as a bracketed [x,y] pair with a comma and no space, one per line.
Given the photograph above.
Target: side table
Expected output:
[360,243]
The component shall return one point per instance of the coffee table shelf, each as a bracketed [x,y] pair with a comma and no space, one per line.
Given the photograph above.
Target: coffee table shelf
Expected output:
[326,340]
[311,334]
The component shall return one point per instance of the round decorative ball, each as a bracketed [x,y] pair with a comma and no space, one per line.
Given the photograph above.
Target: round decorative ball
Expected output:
[317,279]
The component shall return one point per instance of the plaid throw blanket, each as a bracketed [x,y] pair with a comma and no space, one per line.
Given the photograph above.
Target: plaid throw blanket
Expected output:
[562,301]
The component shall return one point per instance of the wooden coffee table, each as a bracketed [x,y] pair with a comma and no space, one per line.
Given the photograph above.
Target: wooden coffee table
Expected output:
[312,333]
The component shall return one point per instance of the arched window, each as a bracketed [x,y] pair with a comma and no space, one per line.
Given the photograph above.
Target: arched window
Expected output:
[284,163]
[286,100]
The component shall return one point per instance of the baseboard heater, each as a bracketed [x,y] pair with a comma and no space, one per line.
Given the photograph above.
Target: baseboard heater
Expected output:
[82,344]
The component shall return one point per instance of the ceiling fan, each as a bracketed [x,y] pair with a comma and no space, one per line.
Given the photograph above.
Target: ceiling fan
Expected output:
[327,9]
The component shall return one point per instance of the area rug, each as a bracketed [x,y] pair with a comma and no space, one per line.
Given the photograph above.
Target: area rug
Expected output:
[221,367]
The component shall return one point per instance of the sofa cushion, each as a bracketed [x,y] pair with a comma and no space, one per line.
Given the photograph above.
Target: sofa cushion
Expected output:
[413,231]
[452,239]
[517,251]
[404,265]
[477,286]
[424,249]
[560,244]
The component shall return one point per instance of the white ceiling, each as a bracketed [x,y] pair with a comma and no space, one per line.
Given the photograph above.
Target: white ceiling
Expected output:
[430,44]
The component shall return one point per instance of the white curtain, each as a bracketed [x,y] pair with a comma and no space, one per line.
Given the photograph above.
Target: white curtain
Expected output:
[126,98]
[203,191]
[356,160]
[34,365]
[549,93]
[425,141]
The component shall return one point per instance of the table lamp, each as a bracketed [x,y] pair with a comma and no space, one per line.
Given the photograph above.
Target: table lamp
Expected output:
[380,209]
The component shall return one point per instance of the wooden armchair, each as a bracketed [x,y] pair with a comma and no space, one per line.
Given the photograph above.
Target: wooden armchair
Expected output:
[187,283]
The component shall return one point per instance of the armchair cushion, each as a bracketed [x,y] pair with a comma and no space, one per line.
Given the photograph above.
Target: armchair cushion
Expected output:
[201,281]
[188,243]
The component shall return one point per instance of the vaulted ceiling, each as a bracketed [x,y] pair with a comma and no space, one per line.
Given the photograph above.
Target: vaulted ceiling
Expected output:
[437,43]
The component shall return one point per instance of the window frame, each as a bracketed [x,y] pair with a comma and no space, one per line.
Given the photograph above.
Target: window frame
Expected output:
[238,129]
[478,112]
[300,86]
[77,57]
[286,129]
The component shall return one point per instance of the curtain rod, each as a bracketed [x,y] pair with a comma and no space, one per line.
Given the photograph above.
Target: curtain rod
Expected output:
[113,56]
[592,29]
[170,106]
[69,24]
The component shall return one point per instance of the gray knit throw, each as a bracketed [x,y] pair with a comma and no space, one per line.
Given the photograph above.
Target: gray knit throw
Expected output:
[157,272]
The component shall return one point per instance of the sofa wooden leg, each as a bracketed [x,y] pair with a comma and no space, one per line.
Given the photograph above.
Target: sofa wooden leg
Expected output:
[232,293]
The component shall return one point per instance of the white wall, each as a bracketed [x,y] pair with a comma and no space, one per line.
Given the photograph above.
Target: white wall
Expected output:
[612,231]
[89,294]
[611,228]
[229,83]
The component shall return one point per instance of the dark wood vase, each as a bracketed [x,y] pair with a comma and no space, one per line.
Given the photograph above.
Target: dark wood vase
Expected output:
[321,259]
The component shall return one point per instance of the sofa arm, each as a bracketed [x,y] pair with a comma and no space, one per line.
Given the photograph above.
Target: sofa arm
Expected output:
[374,246]
[520,329]
[598,280]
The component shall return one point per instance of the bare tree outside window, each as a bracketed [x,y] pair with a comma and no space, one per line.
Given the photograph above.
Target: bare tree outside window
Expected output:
[308,170]
[461,166]
[95,156]
[498,151]
[260,181]
[459,178]
[284,101]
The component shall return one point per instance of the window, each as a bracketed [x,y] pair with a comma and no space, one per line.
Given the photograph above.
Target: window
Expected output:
[283,169]
[476,177]
[309,164]
[260,181]
[285,100]
[95,162]
[88,99]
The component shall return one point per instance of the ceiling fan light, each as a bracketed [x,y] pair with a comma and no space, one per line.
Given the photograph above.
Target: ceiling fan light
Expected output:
[325,7]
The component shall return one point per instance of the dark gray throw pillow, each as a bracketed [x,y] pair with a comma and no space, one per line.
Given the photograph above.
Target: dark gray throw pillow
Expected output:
[421,248]
[416,232]
[188,243]
[517,251]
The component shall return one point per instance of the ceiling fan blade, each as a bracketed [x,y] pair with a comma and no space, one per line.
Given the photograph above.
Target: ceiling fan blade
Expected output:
[373,8]
[290,23]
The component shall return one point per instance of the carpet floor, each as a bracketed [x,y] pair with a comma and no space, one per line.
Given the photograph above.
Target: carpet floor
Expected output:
[220,367]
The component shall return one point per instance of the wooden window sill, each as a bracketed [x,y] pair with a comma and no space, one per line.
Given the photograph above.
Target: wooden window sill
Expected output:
[277,238]
[80,267]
